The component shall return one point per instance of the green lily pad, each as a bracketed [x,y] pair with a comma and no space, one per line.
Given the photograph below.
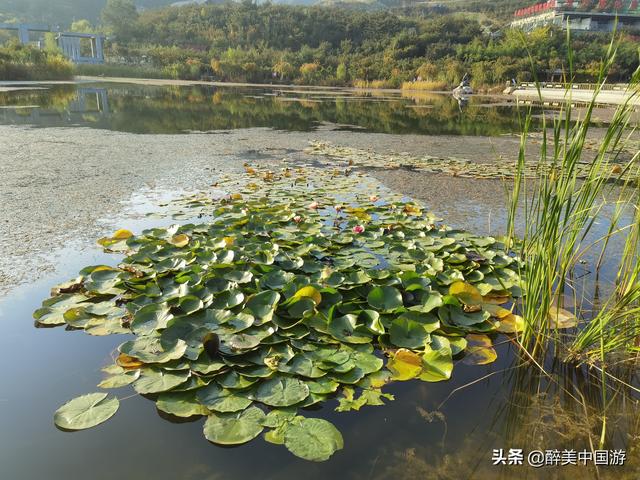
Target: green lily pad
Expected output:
[155,380]
[181,404]
[86,411]
[313,439]
[437,363]
[345,329]
[408,333]
[385,299]
[221,400]
[120,380]
[150,318]
[281,392]
[150,349]
[234,428]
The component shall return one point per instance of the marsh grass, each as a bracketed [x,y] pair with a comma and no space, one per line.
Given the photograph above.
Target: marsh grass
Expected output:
[559,212]
[428,85]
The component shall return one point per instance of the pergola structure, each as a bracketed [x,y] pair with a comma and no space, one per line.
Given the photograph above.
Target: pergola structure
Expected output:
[69,42]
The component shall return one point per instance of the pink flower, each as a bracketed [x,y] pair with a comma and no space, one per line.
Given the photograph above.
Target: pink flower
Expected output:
[358,229]
[374,198]
[313,206]
[297,219]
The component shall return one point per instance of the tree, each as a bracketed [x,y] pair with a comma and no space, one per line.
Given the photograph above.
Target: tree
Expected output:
[309,71]
[427,71]
[341,73]
[284,70]
[120,17]
[50,43]
[82,26]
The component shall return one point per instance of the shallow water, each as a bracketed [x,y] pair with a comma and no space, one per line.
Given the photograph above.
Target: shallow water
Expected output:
[499,407]
[46,367]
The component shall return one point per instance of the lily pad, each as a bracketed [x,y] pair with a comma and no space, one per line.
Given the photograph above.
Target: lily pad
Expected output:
[385,299]
[281,392]
[181,404]
[437,362]
[405,365]
[155,380]
[86,411]
[479,350]
[221,400]
[313,439]
[345,329]
[408,333]
[234,428]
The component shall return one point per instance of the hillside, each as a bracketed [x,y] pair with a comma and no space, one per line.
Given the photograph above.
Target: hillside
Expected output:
[63,12]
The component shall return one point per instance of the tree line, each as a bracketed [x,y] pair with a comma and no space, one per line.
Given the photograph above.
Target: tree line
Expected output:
[246,42]
[414,46]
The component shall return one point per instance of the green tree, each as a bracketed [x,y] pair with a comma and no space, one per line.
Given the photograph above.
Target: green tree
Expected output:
[427,71]
[50,43]
[120,17]
[82,26]
[341,73]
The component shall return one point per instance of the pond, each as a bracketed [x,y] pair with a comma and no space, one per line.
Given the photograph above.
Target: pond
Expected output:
[439,430]
[161,109]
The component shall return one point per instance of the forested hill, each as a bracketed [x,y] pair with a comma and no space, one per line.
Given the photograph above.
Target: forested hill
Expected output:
[332,46]
[62,12]
[250,42]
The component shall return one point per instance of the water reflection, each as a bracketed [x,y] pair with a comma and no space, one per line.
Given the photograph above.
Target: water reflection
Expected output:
[145,109]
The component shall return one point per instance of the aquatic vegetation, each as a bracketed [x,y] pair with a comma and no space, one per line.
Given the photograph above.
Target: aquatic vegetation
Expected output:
[460,167]
[561,211]
[269,306]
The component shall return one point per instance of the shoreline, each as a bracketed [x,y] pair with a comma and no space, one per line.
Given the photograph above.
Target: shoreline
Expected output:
[545,95]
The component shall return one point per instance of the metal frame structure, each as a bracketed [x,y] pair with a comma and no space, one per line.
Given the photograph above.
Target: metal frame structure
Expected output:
[69,42]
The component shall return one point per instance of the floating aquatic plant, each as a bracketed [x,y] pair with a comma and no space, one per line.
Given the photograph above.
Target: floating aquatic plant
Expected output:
[269,306]
[460,167]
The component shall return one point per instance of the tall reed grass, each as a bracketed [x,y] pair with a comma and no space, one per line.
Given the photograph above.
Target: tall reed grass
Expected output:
[558,211]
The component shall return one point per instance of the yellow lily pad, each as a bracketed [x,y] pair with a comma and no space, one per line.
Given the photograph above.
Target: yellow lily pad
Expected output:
[122,234]
[405,365]
[309,292]
[466,293]
[560,318]
[512,323]
[479,350]
[180,240]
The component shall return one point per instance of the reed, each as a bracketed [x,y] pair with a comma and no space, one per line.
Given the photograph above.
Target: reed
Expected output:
[429,85]
[558,211]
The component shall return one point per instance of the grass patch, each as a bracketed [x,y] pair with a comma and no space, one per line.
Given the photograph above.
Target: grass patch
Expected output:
[435,85]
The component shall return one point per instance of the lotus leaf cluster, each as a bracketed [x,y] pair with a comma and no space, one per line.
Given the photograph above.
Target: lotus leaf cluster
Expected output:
[458,167]
[296,288]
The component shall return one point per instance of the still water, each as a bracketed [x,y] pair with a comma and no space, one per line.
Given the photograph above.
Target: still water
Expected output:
[147,109]
[444,430]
